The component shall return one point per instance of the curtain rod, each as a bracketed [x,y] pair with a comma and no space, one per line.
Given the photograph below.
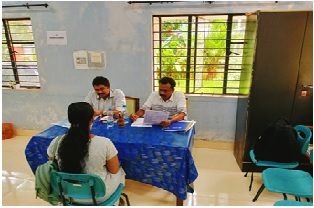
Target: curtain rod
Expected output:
[26,5]
[160,2]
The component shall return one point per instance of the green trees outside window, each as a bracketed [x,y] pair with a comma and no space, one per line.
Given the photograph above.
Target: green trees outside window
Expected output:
[205,54]
[19,59]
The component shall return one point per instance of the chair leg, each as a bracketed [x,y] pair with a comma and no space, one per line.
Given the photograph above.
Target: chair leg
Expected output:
[250,187]
[126,198]
[245,175]
[285,196]
[260,190]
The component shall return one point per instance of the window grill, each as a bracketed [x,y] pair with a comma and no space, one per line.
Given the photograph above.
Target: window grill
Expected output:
[205,54]
[19,59]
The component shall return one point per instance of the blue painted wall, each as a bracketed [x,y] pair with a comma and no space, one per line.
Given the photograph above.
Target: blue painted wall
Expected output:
[123,31]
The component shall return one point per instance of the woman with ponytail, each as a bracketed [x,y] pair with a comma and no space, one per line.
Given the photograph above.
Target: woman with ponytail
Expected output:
[79,151]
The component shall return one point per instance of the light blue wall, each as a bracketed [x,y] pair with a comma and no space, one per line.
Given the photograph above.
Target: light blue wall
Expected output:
[123,31]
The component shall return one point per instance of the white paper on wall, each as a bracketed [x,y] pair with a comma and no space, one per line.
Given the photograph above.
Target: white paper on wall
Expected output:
[80,59]
[57,38]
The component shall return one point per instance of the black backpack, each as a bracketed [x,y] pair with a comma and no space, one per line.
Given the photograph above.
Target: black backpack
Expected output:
[278,142]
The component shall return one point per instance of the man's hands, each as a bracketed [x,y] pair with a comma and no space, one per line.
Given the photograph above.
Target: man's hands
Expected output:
[133,117]
[98,112]
[165,123]
[136,115]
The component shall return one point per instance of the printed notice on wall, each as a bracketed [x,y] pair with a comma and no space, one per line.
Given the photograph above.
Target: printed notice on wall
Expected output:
[84,59]
[57,38]
[80,59]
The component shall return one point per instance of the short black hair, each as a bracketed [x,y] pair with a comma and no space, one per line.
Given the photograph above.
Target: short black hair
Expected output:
[166,80]
[99,80]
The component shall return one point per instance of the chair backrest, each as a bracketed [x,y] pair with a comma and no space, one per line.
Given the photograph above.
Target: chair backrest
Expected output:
[78,186]
[132,104]
[304,137]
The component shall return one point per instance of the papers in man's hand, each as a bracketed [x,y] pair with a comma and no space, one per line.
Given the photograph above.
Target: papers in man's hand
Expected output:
[139,123]
[151,117]
[180,126]
[155,117]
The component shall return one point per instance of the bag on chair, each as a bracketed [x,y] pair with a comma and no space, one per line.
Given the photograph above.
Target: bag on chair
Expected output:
[278,143]
[42,180]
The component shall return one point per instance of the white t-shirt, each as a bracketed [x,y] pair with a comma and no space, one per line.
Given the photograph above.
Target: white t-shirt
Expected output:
[100,150]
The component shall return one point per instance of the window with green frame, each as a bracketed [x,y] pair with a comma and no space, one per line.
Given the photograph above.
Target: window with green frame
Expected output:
[19,59]
[205,54]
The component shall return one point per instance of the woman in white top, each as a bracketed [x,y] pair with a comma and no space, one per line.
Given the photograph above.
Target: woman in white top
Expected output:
[81,152]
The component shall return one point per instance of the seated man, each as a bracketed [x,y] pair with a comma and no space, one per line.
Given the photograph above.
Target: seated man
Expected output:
[103,97]
[165,100]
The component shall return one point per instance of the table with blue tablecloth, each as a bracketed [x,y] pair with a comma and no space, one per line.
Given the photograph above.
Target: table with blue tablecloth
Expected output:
[148,155]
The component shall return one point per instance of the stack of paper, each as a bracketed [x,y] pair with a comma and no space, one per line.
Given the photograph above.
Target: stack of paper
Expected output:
[140,123]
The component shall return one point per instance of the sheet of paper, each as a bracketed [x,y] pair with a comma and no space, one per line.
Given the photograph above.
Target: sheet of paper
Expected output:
[80,59]
[139,123]
[57,38]
[155,117]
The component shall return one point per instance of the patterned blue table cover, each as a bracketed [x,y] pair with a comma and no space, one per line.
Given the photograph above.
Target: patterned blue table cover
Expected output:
[148,155]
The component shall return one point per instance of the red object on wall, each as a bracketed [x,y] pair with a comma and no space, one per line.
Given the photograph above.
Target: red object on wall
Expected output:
[7,131]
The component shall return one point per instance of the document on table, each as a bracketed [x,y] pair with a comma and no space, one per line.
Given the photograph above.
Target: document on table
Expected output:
[155,117]
[139,123]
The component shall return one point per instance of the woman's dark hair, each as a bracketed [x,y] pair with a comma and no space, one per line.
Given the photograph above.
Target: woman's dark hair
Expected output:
[166,80]
[73,149]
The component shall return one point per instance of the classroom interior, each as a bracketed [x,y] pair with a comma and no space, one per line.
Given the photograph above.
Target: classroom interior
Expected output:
[224,125]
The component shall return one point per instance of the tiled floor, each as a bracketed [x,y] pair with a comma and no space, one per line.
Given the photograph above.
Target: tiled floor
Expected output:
[220,181]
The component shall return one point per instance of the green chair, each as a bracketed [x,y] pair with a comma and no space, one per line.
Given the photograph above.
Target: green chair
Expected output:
[304,135]
[83,187]
[292,203]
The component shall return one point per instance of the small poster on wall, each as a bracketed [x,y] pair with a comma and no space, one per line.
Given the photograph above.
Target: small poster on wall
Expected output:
[57,38]
[89,59]
[80,59]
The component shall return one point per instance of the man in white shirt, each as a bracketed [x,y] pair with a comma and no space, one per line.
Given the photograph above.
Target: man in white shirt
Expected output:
[165,100]
[103,97]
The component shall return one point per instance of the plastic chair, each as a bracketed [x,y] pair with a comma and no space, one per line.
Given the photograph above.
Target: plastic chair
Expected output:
[292,203]
[83,187]
[293,182]
[304,135]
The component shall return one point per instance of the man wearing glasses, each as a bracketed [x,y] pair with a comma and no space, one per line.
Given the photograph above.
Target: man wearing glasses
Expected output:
[166,99]
[103,97]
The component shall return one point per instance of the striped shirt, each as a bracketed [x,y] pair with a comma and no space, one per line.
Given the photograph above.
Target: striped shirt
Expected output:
[174,105]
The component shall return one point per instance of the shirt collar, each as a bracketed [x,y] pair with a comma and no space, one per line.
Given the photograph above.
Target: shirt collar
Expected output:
[170,99]
[111,95]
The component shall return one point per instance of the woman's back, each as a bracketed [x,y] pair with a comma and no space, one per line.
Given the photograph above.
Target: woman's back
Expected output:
[101,149]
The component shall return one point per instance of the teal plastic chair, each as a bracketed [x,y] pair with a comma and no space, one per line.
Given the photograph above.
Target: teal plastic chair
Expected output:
[304,135]
[297,183]
[83,187]
[292,203]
